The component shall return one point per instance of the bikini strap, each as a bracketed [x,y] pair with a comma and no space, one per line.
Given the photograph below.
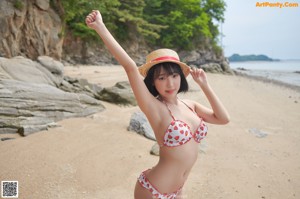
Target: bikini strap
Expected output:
[188,106]
[169,109]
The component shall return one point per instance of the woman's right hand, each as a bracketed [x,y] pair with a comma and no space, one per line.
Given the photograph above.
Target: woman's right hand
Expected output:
[199,76]
[94,19]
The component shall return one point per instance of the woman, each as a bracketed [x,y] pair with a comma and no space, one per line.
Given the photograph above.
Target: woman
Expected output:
[178,124]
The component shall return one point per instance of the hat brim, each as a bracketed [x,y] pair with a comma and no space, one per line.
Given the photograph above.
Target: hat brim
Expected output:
[145,67]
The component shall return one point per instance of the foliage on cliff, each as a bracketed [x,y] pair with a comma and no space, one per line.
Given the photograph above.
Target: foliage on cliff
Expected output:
[184,24]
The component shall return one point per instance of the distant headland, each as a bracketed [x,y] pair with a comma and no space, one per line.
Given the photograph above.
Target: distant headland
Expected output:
[241,58]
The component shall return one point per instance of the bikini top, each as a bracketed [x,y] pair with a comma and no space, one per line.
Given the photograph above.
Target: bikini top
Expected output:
[179,133]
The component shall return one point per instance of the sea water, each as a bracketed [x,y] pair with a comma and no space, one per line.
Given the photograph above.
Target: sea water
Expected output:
[283,71]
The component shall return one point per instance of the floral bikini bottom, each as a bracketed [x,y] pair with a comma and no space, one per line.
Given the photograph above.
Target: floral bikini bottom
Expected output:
[142,179]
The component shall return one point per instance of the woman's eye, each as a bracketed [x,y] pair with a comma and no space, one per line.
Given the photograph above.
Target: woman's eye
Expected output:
[161,78]
[175,75]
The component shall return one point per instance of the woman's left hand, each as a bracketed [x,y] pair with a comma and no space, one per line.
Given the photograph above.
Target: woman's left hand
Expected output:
[199,76]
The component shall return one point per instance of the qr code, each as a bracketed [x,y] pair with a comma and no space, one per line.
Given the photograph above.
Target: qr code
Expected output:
[9,189]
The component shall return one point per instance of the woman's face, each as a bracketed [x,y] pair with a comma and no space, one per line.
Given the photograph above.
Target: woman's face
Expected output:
[167,84]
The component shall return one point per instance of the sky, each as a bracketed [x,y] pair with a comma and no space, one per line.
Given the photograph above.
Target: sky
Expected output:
[271,31]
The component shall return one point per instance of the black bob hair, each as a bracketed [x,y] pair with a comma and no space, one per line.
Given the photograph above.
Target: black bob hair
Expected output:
[170,68]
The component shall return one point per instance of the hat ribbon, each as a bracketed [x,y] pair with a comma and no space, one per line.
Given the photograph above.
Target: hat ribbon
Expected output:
[165,58]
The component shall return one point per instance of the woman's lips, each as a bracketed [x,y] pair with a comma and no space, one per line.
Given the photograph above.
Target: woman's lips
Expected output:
[170,91]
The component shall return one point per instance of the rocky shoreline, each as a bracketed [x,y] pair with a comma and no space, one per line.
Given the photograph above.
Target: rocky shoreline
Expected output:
[267,80]
[34,95]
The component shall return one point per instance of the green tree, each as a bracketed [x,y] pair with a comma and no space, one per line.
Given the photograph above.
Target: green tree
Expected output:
[130,20]
[185,20]
[75,12]
[214,8]
[121,17]
[185,24]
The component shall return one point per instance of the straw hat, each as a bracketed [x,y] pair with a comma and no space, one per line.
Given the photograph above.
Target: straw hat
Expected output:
[160,56]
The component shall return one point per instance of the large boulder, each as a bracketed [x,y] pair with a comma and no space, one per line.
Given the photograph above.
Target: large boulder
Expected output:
[31,98]
[26,70]
[30,107]
[212,68]
[74,85]
[121,93]
[207,60]
[139,124]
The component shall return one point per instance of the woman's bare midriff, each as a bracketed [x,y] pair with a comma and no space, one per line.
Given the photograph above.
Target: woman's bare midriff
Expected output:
[174,166]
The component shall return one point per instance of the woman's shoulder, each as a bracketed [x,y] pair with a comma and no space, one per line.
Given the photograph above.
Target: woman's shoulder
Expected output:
[189,102]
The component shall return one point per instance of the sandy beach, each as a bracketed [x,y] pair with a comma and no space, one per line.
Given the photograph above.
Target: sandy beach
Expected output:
[96,157]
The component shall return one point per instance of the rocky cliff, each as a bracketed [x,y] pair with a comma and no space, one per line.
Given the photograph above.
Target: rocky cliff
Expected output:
[32,28]
[29,28]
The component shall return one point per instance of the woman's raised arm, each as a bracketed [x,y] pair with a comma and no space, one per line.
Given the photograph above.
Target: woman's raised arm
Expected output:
[94,21]
[144,98]
[218,114]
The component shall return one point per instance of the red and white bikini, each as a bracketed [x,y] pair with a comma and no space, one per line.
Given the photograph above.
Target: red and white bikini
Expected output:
[154,191]
[177,134]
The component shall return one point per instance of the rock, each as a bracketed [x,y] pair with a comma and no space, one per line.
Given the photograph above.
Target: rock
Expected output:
[123,85]
[7,130]
[4,139]
[242,69]
[32,107]
[155,150]
[55,67]
[258,133]
[31,98]
[74,85]
[226,68]
[30,29]
[206,60]
[192,58]
[140,124]
[26,70]
[212,68]
[42,4]
[120,93]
